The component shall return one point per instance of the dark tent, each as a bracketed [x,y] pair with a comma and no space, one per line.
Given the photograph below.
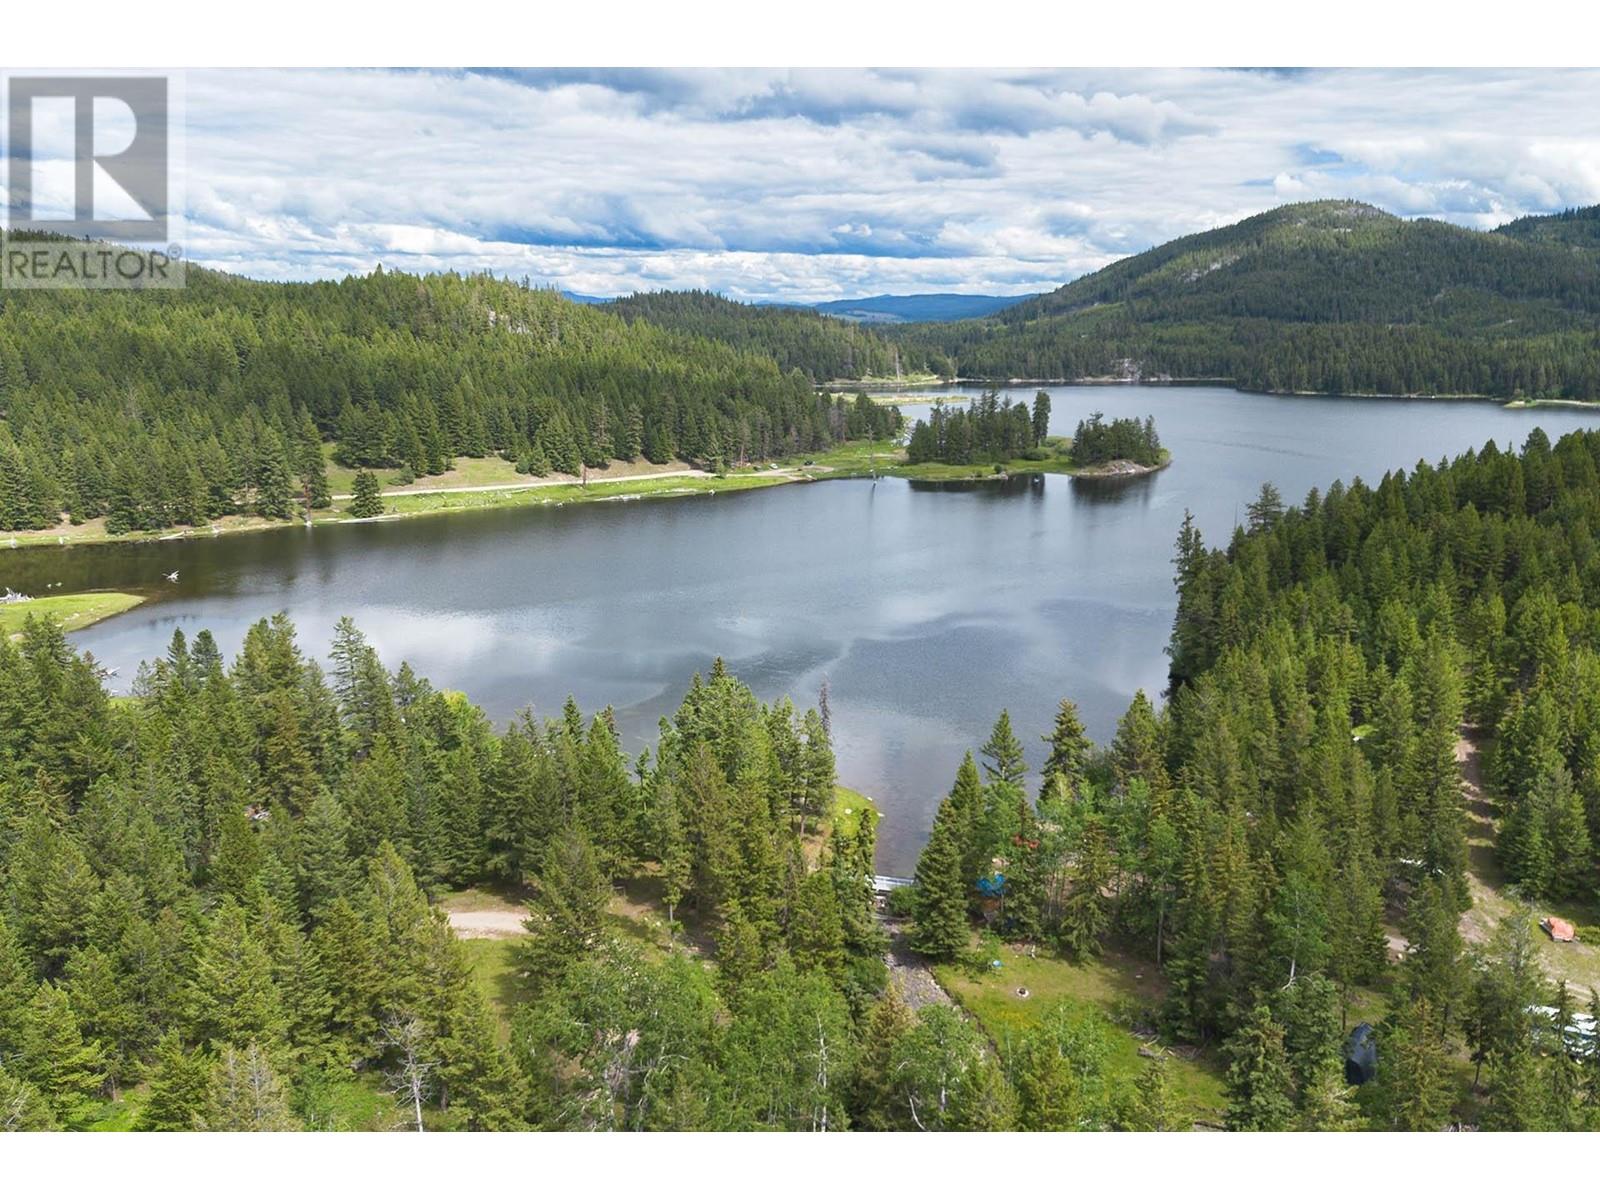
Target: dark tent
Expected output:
[1360,1056]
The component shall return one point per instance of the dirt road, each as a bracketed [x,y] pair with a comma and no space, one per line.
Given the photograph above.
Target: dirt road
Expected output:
[1578,963]
[689,473]
[489,923]
[692,472]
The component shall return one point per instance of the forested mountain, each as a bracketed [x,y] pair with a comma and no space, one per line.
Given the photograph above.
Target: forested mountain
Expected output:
[927,306]
[824,347]
[1332,296]
[157,408]
[1578,227]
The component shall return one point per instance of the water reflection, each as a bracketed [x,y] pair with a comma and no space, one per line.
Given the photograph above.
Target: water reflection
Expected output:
[997,487]
[1113,489]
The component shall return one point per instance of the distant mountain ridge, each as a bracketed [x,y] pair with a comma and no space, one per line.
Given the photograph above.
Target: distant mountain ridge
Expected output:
[1327,296]
[823,347]
[1578,227]
[923,306]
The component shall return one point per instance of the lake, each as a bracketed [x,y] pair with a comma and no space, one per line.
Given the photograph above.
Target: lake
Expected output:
[927,608]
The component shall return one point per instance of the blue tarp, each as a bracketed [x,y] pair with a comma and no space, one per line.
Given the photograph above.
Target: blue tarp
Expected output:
[992,885]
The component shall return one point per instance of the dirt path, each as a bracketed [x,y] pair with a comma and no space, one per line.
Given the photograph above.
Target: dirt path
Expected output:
[1577,963]
[489,922]
[1484,880]
[690,473]
[523,487]
[909,971]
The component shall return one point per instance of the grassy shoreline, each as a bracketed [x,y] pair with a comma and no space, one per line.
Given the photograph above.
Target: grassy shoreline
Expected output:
[856,460]
[849,460]
[401,503]
[74,611]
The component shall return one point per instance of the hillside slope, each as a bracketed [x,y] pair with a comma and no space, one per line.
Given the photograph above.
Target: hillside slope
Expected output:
[824,347]
[1576,227]
[154,409]
[1332,296]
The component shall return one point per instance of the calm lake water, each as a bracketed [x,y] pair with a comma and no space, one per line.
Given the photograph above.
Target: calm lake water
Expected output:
[926,608]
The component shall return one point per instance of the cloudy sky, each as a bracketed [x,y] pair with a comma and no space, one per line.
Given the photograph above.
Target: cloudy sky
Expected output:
[816,185]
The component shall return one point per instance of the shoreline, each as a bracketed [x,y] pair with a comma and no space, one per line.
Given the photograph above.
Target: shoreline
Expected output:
[405,504]
[848,463]
[72,611]
[891,392]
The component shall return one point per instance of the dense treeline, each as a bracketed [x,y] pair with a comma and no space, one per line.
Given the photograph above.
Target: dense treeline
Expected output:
[1331,296]
[988,429]
[154,409]
[218,893]
[1097,441]
[1570,227]
[1299,800]
[824,347]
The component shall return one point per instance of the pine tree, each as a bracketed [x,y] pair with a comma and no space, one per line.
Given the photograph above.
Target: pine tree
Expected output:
[564,917]
[1040,423]
[677,854]
[740,955]
[108,1014]
[1086,915]
[367,500]
[1259,1083]
[876,1100]
[481,1085]
[1416,1068]
[311,466]
[1070,749]
[1151,1107]
[1266,510]
[1002,754]
[1190,647]
[1138,752]
[237,859]
[55,1058]
[967,801]
[324,869]
[272,480]
[1024,893]
[233,1000]
[816,932]
[940,929]
[179,1085]
[17,984]
[1326,1103]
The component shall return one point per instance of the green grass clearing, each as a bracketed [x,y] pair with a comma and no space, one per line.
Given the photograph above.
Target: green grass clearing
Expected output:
[76,611]
[1114,987]
[120,1115]
[616,491]
[888,457]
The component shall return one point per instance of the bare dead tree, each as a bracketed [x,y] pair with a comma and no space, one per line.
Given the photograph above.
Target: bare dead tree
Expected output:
[247,1093]
[819,1122]
[410,1079]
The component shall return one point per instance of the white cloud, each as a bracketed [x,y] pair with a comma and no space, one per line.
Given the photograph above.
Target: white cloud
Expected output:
[821,184]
